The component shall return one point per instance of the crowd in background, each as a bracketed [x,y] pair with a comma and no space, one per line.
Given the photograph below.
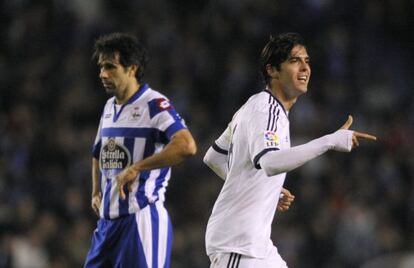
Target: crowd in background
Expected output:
[350,209]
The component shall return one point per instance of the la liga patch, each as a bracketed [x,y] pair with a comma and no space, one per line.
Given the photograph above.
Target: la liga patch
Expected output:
[271,138]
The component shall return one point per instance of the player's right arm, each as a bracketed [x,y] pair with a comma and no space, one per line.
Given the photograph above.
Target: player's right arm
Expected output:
[96,192]
[217,161]
[216,156]
[96,189]
[343,140]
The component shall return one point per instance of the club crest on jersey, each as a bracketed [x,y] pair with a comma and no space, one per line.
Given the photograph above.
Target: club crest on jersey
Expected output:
[135,114]
[271,138]
[113,158]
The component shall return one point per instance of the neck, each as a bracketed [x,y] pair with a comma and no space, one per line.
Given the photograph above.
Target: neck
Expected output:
[130,90]
[286,100]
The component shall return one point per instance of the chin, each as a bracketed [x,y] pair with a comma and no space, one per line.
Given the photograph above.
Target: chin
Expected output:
[110,91]
[301,91]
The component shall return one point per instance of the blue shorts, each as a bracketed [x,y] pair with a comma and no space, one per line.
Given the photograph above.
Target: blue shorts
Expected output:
[140,240]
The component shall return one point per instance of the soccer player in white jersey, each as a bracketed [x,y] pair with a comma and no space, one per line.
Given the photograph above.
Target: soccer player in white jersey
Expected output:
[253,155]
[140,136]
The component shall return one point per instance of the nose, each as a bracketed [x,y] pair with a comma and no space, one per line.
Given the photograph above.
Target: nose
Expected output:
[305,66]
[103,74]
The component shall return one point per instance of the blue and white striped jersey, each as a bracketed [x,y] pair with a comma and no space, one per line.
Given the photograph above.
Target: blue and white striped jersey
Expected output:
[129,133]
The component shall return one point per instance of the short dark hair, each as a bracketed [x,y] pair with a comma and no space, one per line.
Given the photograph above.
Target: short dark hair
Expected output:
[130,50]
[277,50]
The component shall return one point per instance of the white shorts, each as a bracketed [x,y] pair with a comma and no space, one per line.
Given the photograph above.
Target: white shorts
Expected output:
[235,260]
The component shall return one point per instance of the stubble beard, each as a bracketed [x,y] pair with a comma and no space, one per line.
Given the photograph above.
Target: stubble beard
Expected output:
[110,91]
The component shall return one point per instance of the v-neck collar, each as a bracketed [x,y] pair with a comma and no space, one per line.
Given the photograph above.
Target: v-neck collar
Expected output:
[133,98]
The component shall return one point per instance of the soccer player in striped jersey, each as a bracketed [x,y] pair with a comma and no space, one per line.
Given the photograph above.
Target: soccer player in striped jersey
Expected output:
[140,136]
[254,154]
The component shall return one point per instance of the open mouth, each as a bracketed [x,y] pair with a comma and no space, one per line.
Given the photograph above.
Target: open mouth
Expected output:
[303,78]
[107,84]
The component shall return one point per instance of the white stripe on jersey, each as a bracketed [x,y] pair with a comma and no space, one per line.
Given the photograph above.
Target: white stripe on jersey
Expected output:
[163,189]
[139,146]
[150,185]
[114,205]
[132,201]
[101,207]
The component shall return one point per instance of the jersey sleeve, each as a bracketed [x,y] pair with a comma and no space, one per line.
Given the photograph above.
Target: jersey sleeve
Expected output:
[263,133]
[222,144]
[164,117]
[216,156]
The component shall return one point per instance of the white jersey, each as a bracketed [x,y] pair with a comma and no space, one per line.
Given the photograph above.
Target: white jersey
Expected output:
[129,133]
[243,213]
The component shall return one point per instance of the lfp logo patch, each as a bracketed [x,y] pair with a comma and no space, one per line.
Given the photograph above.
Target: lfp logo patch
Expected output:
[271,138]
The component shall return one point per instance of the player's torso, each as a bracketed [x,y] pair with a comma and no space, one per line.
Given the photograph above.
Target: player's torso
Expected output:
[125,133]
[249,197]
[276,134]
[129,134]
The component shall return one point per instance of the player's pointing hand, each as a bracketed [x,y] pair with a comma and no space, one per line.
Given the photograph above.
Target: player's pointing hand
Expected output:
[348,122]
[357,135]
[127,176]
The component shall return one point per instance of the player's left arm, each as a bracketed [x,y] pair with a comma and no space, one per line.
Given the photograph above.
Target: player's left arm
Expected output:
[343,140]
[181,146]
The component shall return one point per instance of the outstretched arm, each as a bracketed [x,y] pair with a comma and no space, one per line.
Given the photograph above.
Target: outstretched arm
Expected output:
[181,146]
[342,140]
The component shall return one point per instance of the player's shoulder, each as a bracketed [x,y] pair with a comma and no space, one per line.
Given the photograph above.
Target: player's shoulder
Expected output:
[152,94]
[261,102]
[157,102]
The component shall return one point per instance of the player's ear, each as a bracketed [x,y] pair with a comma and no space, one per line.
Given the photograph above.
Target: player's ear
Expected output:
[272,72]
[132,69]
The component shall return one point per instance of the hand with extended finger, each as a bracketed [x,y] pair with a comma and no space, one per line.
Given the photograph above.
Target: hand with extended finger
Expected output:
[285,200]
[344,140]
[126,177]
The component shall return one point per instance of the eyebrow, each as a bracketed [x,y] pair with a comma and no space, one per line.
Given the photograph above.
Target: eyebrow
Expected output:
[105,63]
[298,57]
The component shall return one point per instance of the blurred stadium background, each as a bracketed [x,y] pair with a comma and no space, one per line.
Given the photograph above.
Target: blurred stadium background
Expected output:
[351,210]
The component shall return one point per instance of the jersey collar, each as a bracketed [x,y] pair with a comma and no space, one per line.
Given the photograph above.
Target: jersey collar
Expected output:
[278,101]
[133,98]
[138,94]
